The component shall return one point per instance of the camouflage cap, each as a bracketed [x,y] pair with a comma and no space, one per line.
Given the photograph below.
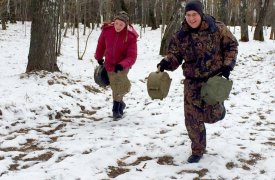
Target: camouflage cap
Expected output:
[194,5]
[123,16]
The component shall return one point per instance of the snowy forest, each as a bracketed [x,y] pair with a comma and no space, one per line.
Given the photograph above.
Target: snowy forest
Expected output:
[55,121]
[60,15]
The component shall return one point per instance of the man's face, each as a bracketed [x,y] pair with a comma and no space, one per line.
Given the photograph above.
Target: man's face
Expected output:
[193,18]
[119,25]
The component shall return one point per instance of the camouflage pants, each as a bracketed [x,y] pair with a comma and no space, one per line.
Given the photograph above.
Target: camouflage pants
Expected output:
[120,84]
[196,114]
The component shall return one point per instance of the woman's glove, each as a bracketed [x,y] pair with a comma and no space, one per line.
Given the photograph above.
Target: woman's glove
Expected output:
[100,62]
[118,67]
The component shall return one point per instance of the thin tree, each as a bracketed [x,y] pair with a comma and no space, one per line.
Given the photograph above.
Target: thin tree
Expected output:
[59,29]
[152,18]
[172,27]
[164,15]
[222,10]
[272,33]
[244,25]
[119,5]
[80,57]
[258,34]
[12,5]
[42,55]
[3,13]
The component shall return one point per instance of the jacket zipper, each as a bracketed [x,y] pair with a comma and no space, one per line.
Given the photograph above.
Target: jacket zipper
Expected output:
[114,47]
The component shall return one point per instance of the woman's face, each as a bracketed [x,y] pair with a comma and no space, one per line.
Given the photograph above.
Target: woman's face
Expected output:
[193,19]
[119,25]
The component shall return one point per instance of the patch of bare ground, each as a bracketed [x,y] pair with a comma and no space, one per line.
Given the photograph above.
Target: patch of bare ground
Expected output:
[13,167]
[61,158]
[92,89]
[140,159]
[200,173]
[29,146]
[19,157]
[43,157]
[26,166]
[271,142]
[113,172]
[166,160]
[253,158]
[230,165]
[122,165]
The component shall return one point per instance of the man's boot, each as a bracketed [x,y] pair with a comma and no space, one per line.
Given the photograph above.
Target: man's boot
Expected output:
[223,113]
[122,107]
[116,113]
[194,158]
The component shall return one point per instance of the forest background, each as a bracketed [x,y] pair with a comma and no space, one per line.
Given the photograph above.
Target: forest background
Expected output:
[52,19]
[56,125]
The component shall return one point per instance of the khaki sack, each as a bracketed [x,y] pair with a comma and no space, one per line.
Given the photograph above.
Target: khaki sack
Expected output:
[216,90]
[158,84]
[101,76]
[119,82]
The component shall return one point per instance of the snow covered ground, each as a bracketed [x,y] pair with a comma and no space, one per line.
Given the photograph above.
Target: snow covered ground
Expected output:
[56,126]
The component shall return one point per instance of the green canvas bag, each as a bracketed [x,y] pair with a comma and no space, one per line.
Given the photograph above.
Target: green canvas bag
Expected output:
[158,84]
[216,90]
[100,76]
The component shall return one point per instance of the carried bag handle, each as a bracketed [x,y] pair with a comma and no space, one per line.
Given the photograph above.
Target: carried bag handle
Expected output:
[158,70]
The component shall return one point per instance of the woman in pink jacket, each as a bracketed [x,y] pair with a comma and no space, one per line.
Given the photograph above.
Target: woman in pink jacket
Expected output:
[118,43]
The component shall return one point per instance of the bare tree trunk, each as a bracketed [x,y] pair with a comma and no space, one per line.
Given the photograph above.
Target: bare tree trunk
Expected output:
[42,55]
[12,11]
[56,23]
[172,27]
[244,25]
[3,13]
[119,5]
[26,3]
[66,29]
[222,11]
[272,33]
[89,15]
[164,15]
[68,18]
[258,34]
[157,16]
[109,13]
[60,14]
[143,19]
[144,13]
[75,17]
[85,17]
[138,13]
[152,19]
[80,57]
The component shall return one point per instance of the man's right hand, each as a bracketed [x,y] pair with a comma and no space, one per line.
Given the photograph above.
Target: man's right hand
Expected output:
[164,63]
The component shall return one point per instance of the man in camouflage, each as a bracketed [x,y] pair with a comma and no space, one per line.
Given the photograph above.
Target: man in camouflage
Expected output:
[206,47]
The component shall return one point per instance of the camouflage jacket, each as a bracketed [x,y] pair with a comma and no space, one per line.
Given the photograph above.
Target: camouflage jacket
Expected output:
[203,52]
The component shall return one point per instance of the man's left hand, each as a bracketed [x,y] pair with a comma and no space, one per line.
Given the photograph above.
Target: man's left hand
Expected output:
[226,72]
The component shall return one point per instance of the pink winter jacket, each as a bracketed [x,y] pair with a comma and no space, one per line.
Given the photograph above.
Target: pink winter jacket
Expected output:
[117,47]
